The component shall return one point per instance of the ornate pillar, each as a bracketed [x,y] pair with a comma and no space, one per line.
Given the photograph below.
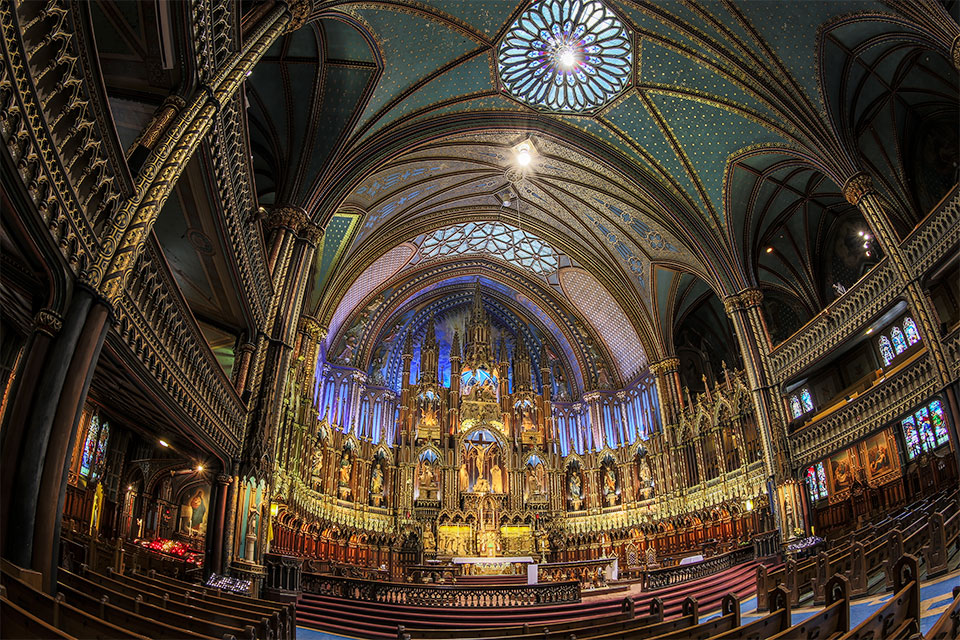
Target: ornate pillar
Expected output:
[230,518]
[242,370]
[219,520]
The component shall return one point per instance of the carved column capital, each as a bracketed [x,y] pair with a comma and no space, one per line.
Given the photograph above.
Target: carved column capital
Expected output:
[857,186]
[751,297]
[312,328]
[48,321]
[665,366]
[223,479]
[311,233]
[300,11]
[287,216]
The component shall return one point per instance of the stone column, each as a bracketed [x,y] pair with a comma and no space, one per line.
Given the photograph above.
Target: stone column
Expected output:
[230,519]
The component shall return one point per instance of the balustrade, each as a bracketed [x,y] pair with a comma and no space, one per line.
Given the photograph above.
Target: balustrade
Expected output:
[660,578]
[420,595]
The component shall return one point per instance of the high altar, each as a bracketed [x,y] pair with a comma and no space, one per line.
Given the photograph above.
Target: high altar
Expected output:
[480,481]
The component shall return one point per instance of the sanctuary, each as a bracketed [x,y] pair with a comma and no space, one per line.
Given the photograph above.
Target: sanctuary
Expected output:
[475,318]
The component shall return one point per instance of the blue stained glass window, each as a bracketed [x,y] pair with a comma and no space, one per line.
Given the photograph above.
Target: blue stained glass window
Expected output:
[807,400]
[822,480]
[795,408]
[911,437]
[886,350]
[910,329]
[90,446]
[939,426]
[925,430]
[816,479]
[566,55]
[899,342]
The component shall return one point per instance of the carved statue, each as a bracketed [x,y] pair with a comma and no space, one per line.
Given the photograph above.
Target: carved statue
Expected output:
[496,477]
[464,477]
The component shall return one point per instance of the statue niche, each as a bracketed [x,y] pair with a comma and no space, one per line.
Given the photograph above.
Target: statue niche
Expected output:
[610,484]
[427,481]
[378,476]
[344,475]
[482,468]
[574,486]
[535,477]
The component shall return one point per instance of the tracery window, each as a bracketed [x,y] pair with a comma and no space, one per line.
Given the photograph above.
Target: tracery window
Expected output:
[801,404]
[899,342]
[495,239]
[925,429]
[910,329]
[816,478]
[886,351]
[94,452]
[566,55]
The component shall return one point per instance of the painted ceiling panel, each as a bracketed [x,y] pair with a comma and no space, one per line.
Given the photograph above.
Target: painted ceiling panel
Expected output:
[343,42]
[336,237]
[632,119]
[792,33]
[709,136]
[610,322]
[483,15]
[413,47]
[469,77]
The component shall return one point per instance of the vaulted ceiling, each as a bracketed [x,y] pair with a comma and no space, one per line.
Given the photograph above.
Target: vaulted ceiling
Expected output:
[717,165]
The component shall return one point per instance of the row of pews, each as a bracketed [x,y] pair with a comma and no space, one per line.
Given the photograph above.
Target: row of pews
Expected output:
[91,605]
[898,618]
[929,530]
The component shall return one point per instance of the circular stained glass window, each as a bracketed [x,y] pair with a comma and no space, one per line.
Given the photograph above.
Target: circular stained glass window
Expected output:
[566,55]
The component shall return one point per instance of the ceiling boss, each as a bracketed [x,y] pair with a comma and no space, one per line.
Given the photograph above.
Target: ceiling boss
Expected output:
[566,55]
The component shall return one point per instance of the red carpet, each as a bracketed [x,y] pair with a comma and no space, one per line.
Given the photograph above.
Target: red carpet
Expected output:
[375,620]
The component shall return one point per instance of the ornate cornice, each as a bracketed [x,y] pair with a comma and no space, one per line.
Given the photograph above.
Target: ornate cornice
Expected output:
[287,216]
[300,11]
[665,366]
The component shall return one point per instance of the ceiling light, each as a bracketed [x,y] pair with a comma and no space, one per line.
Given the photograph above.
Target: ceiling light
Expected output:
[860,233]
[866,245]
[523,155]
[199,467]
[868,254]
[163,443]
[567,57]
[769,249]
[870,330]
[506,203]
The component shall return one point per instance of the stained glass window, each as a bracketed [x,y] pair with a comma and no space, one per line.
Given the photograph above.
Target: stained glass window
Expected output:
[495,239]
[795,407]
[886,350]
[94,448]
[911,438]
[910,329]
[566,55]
[925,429]
[816,482]
[939,426]
[899,343]
[807,400]
[90,446]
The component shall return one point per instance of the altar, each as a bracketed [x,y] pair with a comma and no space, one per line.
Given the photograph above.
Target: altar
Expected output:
[512,565]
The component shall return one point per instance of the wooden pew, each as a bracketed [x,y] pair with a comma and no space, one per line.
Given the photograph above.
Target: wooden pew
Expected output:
[829,624]
[196,622]
[777,621]
[947,625]
[729,619]
[103,608]
[18,623]
[57,613]
[283,616]
[594,624]
[177,603]
[899,617]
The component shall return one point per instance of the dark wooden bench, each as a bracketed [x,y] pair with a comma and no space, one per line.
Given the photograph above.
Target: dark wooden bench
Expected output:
[19,623]
[947,625]
[197,620]
[899,617]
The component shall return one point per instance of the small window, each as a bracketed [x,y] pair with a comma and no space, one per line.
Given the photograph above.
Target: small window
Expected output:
[886,350]
[910,329]
[816,479]
[925,430]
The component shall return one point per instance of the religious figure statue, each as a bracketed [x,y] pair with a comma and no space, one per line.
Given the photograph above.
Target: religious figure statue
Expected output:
[574,486]
[496,477]
[610,480]
[345,467]
[464,477]
[376,485]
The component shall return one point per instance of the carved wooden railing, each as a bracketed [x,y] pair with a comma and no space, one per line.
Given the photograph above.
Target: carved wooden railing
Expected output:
[154,322]
[871,410]
[938,234]
[660,578]
[591,574]
[847,314]
[54,121]
[420,595]
[834,325]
